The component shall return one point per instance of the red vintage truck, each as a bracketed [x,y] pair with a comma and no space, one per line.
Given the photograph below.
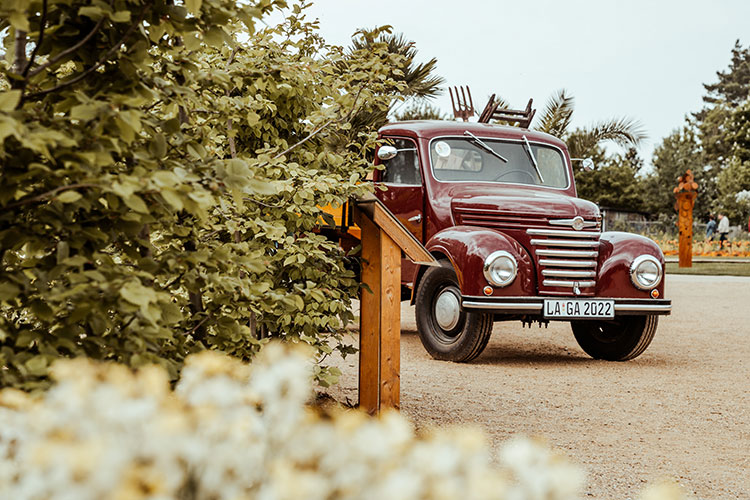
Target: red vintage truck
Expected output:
[497,206]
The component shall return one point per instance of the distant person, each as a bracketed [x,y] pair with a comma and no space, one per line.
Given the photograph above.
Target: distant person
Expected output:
[723,229]
[710,228]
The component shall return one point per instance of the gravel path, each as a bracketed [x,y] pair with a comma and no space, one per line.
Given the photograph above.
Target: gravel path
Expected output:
[681,410]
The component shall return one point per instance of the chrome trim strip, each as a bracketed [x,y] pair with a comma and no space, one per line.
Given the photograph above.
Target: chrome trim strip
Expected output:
[566,243]
[569,222]
[496,306]
[562,232]
[546,252]
[537,306]
[643,307]
[567,263]
[564,273]
[570,284]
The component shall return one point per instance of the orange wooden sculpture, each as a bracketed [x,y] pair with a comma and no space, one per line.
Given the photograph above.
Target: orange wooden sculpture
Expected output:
[686,192]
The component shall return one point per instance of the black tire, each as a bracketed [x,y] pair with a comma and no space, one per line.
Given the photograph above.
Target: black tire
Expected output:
[621,339]
[467,338]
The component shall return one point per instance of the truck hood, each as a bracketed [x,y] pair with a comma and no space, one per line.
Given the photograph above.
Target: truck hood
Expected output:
[521,202]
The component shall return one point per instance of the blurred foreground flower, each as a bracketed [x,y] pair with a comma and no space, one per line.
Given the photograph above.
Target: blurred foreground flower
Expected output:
[235,431]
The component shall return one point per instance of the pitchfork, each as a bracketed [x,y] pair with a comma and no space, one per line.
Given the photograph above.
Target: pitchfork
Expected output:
[461,107]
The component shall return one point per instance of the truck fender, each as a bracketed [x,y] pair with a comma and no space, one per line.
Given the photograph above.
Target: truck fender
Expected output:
[467,247]
[617,250]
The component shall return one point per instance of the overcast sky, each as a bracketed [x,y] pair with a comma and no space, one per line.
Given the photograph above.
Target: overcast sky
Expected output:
[643,59]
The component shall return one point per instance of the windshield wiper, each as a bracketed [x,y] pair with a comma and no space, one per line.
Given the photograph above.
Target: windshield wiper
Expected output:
[485,146]
[527,148]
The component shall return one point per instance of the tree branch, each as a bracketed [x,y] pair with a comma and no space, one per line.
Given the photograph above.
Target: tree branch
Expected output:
[42,26]
[67,51]
[19,61]
[99,63]
[232,146]
[48,194]
[320,128]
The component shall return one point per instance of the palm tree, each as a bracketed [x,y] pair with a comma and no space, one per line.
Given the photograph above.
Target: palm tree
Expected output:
[582,142]
[420,82]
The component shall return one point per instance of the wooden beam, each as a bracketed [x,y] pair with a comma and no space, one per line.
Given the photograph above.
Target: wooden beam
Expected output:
[383,217]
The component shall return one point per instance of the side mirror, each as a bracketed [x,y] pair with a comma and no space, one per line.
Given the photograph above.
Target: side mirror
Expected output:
[387,152]
[588,164]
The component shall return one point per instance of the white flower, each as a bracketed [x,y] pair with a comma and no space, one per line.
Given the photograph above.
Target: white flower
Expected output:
[233,431]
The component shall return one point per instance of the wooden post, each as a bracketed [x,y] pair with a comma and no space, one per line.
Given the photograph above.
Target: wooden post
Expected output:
[686,194]
[383,238]
[380,319]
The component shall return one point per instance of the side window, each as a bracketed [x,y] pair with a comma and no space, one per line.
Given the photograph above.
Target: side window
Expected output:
[404,167]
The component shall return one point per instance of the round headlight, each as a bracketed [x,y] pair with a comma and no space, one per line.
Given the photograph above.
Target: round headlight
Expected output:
[500,268]
[645,272]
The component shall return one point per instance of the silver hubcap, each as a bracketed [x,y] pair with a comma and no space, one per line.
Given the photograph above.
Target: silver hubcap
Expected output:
[447,310]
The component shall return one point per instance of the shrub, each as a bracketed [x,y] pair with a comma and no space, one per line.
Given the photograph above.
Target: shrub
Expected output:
[161,167]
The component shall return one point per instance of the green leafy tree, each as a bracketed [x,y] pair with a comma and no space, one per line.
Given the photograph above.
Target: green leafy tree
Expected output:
[614,183]
[712,143]
[713,122]
[160,180]
[677,153]
[735,178]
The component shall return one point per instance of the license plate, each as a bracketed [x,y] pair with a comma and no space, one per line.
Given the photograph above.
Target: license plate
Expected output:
[579,308]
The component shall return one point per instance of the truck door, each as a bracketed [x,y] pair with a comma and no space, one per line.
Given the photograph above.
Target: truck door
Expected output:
[404,196]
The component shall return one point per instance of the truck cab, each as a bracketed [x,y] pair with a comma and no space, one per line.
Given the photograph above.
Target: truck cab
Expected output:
[497,206]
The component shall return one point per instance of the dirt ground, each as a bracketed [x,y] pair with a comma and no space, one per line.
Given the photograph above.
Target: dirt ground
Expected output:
[681,410]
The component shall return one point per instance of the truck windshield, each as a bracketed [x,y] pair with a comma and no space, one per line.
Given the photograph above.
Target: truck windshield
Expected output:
[468,160]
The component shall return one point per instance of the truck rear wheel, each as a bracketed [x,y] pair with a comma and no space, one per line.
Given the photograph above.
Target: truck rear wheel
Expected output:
[621,339]
[447,332]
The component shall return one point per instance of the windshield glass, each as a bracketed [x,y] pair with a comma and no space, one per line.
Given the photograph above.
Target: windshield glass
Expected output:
[458,159]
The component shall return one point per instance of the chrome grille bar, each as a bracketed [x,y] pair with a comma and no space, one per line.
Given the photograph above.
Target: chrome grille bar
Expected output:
[564,233]
[567,263]
[565,273]
[569,222]
[566,243]
[542,252]
[570,284]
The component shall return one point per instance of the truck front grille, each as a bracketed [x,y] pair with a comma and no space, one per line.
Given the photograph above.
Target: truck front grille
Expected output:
[566,259]
[491,218]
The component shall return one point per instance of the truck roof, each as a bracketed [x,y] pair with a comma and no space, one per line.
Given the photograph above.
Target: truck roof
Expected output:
[428,129]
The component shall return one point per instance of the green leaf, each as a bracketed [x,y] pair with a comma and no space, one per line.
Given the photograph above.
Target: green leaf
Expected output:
[171,197]
[265,188]
[92,11]
[69,196]
[194,6]
[158,146]
[121,16]
[84,112]
[9,100]
[135,293]
[37,365]
[19,21]
[253,118]
[8,291]
[136,203]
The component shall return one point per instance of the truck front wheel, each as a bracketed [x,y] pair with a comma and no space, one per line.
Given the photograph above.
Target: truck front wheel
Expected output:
[447,332]
[621,339]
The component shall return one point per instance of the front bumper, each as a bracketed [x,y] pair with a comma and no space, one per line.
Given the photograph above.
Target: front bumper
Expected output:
[534,305]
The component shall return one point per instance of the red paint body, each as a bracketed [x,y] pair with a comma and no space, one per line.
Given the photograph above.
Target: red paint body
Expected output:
[464,222]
